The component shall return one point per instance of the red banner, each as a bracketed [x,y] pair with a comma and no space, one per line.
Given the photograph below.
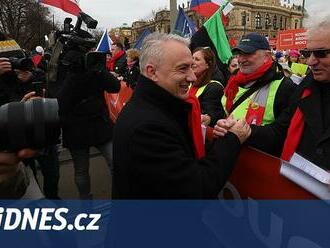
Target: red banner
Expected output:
[116,102]
[257,176]
[273,42]
[291,39]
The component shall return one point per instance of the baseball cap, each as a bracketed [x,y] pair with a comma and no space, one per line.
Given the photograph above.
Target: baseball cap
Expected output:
[251,43]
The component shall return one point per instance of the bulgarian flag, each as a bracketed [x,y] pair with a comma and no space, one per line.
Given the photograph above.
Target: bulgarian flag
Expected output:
[69,6]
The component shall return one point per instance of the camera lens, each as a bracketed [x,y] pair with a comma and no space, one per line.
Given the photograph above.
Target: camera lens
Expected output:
[31,124]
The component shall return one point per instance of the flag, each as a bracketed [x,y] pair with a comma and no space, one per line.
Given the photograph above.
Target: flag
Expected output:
[105,43]
[184,26]
[206,7]
[213,34]
[139,41]
[69,6]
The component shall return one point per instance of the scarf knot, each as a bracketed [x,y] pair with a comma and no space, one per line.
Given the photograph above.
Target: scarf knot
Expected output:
[241,79]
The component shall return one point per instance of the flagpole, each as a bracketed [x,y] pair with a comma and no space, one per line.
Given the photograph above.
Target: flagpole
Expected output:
[173,13]
[303,12]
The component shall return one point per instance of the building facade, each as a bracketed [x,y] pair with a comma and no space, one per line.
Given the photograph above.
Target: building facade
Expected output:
[263,16]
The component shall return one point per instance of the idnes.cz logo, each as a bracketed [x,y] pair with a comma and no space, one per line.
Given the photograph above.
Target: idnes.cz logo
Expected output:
[46,219]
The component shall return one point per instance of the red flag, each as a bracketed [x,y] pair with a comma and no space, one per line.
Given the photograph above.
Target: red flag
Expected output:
[69,6]
[225,20]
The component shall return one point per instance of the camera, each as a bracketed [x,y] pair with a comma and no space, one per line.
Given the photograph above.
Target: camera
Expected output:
[71,51]
[32,124]
[24,64]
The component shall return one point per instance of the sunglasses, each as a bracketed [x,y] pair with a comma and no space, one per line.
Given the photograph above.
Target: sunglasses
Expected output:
[318,53]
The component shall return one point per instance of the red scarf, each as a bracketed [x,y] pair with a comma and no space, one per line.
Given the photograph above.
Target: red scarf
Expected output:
[36,59]
[112,61]
[195,126]
[295,131]
[241,79]
[193,90]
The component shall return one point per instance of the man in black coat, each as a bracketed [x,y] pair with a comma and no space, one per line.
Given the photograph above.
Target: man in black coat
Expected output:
[154,155]
[84,115]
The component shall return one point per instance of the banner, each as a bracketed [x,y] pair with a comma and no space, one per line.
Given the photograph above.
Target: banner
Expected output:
[257,176]
[272,42]
[291,39]
[116,102]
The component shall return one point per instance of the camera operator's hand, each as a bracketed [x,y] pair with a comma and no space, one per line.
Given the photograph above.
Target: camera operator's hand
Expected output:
[5,66]
[9,162]
[24,76]
[32,95]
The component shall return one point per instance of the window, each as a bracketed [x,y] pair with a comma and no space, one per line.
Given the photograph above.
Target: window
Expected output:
[244,18]
[275,22]
[258,20]
[296,24]
[267,24]
[281,22]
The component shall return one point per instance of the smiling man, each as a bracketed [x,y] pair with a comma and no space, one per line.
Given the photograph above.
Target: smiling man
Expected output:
[259,91]
[306,128]
[158,146]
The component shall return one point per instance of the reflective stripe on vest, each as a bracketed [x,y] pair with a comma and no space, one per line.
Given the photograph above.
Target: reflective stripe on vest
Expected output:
[201,89]
[241,110]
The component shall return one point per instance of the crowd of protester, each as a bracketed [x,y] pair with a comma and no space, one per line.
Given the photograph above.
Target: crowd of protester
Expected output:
[276,101]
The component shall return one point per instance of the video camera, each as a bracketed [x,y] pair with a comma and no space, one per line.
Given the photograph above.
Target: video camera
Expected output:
[71,49]
[24,64]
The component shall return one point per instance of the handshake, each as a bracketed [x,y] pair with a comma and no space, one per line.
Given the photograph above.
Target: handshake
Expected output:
[238,127]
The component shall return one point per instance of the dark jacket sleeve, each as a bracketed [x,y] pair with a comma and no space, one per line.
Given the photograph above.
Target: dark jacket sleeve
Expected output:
[210,102]
[109,82]
[165,169]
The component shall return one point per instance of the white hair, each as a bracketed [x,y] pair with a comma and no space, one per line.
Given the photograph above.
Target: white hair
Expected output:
[317,20]
[153,47]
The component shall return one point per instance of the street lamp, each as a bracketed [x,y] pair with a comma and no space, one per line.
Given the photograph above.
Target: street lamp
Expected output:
[245,19]
[303,12]
[173,13]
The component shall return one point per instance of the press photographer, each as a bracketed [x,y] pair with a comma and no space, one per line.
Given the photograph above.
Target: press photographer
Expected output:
[78,78]
[31,124]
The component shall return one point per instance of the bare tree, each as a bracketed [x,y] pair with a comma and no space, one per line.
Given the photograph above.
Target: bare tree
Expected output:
[26,21]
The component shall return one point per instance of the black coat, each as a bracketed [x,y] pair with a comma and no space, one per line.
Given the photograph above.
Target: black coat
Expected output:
[210,101]
[83,112]
[132,75]
[120,66]
[315,141]
[153,153]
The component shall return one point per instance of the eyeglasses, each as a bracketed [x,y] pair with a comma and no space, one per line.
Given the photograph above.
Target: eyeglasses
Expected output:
[318,53]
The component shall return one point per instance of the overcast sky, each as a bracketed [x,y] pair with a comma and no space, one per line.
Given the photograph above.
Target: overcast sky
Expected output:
[113,13]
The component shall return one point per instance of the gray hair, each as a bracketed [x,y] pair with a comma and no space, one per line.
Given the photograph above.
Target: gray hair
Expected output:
[153,49]
[319,18]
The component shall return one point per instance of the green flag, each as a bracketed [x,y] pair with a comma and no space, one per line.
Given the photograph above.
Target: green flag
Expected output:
[217,34]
